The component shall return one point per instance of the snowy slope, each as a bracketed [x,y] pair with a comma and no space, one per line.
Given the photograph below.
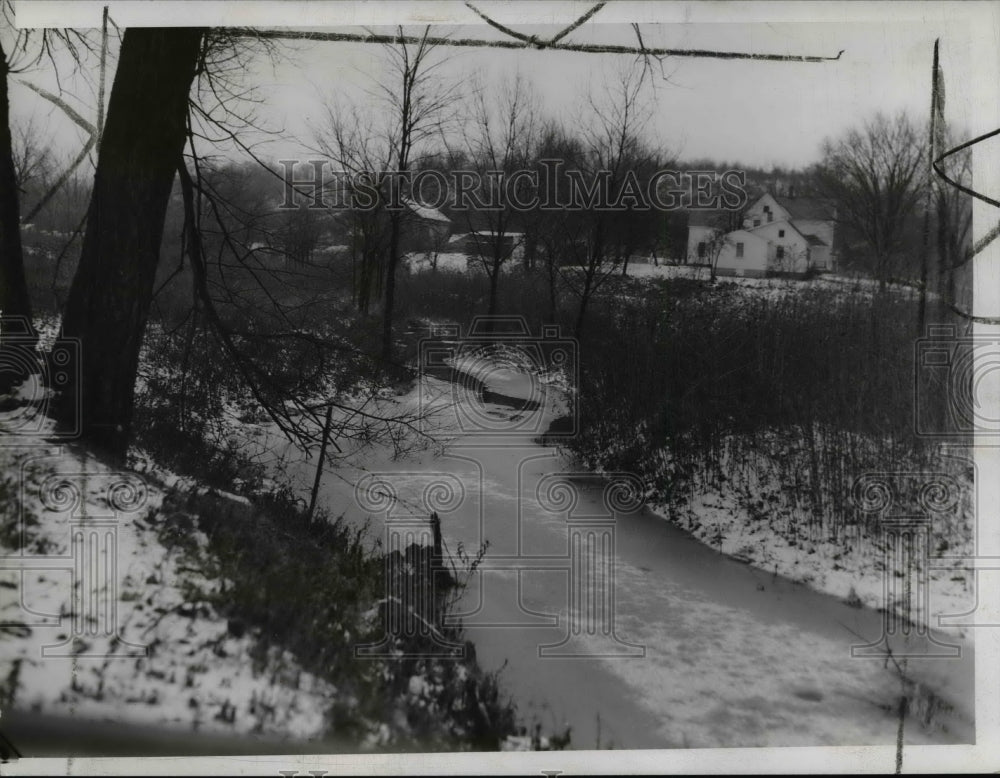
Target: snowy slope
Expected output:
[122,630]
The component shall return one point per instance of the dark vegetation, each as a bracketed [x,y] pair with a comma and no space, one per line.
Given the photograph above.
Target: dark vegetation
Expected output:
[719,386]
[313,588]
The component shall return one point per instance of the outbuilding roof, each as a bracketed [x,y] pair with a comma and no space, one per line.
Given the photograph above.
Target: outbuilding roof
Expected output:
[425,212]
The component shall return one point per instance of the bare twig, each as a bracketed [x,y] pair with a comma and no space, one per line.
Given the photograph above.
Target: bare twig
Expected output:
[582,20]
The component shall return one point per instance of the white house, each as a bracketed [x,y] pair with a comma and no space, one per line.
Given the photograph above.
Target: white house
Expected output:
[743,253]
[812,218]
[779,235]
[788,250]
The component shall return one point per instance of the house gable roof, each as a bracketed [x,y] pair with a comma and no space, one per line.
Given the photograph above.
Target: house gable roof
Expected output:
[810,208]
[763,200]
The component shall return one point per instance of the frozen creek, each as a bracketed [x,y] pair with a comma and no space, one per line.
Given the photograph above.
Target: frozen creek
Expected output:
[700,650]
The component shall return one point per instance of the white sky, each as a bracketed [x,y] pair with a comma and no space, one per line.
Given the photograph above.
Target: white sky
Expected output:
[758,113]
[751,112]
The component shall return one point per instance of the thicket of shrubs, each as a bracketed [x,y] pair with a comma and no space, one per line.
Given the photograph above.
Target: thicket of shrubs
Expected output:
[785,397]
[796,394]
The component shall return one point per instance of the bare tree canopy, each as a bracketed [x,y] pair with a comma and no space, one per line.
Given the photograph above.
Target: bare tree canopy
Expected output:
[873,174]
[416,104]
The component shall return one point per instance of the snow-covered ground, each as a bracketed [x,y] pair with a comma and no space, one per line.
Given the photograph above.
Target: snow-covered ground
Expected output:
[106,618]
[752,514]
[852,568]
[827,281]
[109,614]
[855,286]
[419,262]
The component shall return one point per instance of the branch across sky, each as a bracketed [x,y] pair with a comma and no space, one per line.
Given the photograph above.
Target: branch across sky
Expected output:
[548,186]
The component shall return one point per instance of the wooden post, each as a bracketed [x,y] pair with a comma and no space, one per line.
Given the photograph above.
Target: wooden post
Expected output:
[436,530]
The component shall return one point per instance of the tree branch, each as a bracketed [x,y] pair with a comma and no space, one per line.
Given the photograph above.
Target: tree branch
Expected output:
[583,48]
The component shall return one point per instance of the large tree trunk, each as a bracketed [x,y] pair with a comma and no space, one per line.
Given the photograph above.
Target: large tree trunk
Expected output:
[14,301]
[112,290]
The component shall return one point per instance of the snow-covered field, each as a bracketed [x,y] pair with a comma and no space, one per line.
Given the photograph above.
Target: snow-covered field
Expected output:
[827,281]
[855,286]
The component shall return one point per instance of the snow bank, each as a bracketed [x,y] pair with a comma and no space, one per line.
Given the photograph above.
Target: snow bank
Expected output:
[108,618]
[752,524]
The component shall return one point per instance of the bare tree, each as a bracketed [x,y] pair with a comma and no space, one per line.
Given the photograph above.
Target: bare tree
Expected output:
[19,51]
[715,242]
[418,99]
[873,174]
[415,103]
[33,163]
[113,287]
[549,235]
[615,161]
[500,142]
[358,158]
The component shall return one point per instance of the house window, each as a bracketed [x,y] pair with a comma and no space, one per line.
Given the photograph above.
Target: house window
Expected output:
[780,253]
[739,250]
[781,233]
[701,250]
[770,217]
[756,222]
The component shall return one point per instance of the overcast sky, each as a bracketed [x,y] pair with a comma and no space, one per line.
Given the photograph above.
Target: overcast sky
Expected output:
[734,110]
[751,112]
